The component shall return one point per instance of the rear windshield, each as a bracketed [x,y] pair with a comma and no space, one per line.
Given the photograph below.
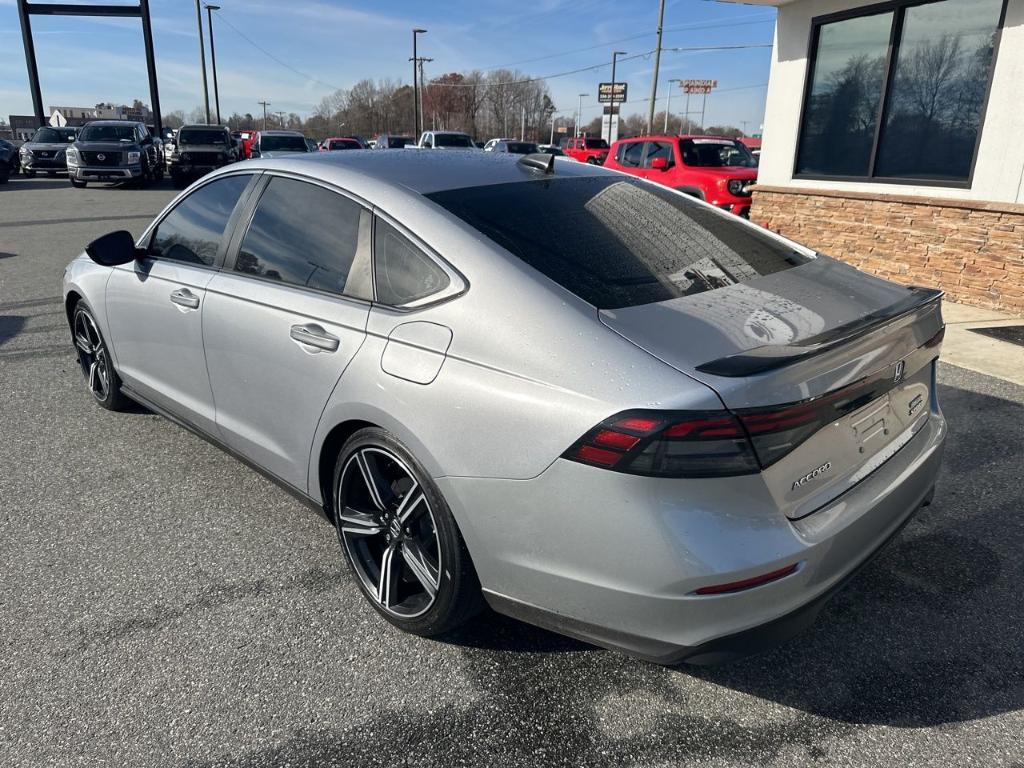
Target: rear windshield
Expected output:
[521,147]
[283,144]
[597,144]
[344,144]
[202,136]
[452,140]
[107,133]
[53,136]
[616,242]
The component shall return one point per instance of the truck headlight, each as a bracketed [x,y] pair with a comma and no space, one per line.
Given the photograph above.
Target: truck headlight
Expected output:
[72,156]
[26,152]
[133,157]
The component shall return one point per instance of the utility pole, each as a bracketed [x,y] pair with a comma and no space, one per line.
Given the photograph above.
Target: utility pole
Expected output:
[657,66]
[687,117]
[280,119]
[213,57]
[668,107]
[202,59]
[703,107]
[611,108]
[579,116]
[552,139]
[522,125]
[264,104]
[422,88]
[417,67]
[744,124]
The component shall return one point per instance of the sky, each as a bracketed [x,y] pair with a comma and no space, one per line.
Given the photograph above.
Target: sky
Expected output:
[318,46]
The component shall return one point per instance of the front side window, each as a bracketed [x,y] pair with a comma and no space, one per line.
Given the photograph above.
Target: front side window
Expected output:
[929,92]
[619,242]
[630,154]
[305,235]
[662,149]
[402,271]
[192,232]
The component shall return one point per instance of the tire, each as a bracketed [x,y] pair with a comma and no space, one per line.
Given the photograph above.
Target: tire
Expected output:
[403,521]
[77,184]
[29,174]
[94,359]
[4,176]
[158,173]
[143,181]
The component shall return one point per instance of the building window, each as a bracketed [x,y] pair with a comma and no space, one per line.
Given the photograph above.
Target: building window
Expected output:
[897,92]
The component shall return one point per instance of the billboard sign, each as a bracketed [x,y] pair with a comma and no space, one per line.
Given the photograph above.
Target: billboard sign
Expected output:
[606,93]
[698,86]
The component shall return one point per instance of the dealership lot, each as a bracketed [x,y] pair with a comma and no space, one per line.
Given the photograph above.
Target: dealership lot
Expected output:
[164,605]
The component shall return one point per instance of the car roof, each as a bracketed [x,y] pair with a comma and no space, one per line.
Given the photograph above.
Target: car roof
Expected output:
[203,125]
[113,122]
[419,171]
[281,133]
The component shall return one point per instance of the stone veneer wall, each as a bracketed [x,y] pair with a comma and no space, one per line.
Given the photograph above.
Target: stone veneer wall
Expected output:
[972,250]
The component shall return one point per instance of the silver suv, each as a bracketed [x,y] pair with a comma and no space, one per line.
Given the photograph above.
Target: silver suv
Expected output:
[114,150]
[45,151]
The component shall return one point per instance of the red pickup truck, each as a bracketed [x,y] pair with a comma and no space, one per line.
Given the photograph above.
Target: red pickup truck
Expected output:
[717,169]
[586,150]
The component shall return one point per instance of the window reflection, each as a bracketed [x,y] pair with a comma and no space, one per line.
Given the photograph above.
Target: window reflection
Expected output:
[192,231]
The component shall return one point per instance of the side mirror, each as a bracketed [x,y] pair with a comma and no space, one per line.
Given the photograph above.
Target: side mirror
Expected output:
[113,249]
[659,164]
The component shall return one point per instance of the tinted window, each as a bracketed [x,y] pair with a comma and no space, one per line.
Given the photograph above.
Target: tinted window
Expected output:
[934,108]
[202,136]
[124,133]
[452,140]
[618,242]
[938,73]
[596,144]
[283,144]
[662,149]
[302,234]
[521,147]
[402,271]
[344,144]
[630,154]
[53,136]
[192,231]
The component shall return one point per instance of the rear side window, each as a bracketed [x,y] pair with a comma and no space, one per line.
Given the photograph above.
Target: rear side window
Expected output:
[629,154]
[305,235]
[193,230]
[618,242]
[402,271]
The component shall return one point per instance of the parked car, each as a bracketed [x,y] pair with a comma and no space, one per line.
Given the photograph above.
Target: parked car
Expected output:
[675,449]
[113,150]
[390,141]
[586,150]
[445,140]
[716,169]
[550,149]
[46,151]
[336,142]
[199,149]
[277,143]
[244,140]
[512,147]
[9,162]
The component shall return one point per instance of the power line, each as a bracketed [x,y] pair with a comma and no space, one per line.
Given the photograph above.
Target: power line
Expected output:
[680,28]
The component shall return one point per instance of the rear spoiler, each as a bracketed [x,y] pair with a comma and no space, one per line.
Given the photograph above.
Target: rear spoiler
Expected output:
[769,357]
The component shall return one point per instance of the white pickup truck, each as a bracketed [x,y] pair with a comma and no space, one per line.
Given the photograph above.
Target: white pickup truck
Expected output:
[445,140]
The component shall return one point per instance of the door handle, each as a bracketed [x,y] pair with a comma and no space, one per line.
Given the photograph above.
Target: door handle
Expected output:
[314,336]
[183,297]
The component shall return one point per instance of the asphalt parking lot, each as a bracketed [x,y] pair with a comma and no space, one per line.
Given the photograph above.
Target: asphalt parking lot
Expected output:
[163,605]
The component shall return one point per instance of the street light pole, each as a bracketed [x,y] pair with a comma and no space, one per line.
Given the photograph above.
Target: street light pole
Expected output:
[611,109]
[417,119]
[202,59]
[668,107]
[265,105]
[579,116]
[657,66]
[213,57]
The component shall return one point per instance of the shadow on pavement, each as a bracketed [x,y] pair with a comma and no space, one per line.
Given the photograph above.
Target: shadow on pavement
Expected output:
[928,634]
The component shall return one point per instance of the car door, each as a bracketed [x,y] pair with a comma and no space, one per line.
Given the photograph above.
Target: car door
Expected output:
[285,317]
[653,150]
[154,305]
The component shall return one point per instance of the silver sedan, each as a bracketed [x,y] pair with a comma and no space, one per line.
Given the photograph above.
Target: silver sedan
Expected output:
[586,400]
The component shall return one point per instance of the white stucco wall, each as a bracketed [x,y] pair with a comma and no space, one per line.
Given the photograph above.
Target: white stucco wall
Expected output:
[999,173]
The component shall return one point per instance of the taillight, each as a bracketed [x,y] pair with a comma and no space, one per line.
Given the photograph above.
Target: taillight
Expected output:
[668,444]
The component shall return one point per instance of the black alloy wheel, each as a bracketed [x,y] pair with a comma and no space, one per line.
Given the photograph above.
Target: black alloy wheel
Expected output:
[94,360]
[400,538]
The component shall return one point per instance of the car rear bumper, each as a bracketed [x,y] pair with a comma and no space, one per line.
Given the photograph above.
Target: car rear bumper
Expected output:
[615,559]
[104,172]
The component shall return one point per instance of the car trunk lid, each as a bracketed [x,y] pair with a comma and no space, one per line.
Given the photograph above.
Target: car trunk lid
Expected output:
[829,369]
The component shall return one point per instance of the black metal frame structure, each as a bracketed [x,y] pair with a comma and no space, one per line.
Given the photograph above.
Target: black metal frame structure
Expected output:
[898,8]
[28,9]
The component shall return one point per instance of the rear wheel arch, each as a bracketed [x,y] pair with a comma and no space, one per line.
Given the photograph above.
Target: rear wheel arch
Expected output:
[329,450]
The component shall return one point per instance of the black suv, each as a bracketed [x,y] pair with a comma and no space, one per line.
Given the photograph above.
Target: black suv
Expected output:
[199,149]
[114,150]
[44,152]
